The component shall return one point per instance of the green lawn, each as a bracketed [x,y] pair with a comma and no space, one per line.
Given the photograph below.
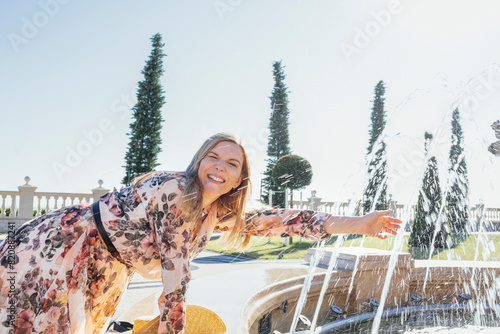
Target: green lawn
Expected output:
[466,251]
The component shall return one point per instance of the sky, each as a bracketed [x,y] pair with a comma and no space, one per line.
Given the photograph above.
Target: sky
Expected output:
[70,69]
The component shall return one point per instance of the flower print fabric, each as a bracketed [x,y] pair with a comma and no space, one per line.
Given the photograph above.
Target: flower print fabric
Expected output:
[282,223]
[63,279]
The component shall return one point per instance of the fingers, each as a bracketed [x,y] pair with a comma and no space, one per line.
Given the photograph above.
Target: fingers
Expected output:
[391,219]
[389,230]
[385,225]
[391,225]
[391,222]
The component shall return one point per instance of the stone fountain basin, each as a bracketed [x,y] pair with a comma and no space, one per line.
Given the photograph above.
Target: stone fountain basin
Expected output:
[263,311]
[432,317]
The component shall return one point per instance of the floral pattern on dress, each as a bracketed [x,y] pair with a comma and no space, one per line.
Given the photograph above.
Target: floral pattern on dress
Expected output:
[66,281]
[281,223]
[64,278]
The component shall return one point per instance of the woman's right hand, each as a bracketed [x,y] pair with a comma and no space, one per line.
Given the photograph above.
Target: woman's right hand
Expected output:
[377,222]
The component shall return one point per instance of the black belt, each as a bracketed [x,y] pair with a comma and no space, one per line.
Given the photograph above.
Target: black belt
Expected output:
[102,232]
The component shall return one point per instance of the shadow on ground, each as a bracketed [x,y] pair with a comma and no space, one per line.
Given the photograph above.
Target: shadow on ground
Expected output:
[222,258]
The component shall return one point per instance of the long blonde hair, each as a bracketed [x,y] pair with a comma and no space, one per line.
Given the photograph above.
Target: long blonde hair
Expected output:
[230,205]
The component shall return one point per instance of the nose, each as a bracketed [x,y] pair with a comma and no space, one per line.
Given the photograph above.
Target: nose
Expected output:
[219,165]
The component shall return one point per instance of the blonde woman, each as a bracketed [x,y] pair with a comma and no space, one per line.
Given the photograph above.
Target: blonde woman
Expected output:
[65,272]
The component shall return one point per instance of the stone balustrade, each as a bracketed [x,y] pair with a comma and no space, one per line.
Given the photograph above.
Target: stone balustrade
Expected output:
[26,200]
[479,216]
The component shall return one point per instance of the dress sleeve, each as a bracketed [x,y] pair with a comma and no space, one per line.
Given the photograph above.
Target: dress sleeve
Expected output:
[172,237]
[282,223]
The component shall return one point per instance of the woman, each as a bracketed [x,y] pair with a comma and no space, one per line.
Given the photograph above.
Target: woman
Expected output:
[71,266]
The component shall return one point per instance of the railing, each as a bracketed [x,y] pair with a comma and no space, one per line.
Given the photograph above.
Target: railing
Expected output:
[26,203]
[479,216]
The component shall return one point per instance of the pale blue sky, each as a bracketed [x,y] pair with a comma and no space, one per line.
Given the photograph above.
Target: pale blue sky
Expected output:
[70,69]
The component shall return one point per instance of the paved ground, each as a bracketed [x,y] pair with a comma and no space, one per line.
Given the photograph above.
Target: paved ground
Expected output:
[221,283]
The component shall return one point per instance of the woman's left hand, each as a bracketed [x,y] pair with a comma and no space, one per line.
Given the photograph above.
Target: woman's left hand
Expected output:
[377,222]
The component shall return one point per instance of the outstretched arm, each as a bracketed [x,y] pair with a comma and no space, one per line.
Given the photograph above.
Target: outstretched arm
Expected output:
[313,225]
[372,224]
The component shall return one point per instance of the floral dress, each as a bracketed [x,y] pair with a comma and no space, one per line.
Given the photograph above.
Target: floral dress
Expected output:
[56,275]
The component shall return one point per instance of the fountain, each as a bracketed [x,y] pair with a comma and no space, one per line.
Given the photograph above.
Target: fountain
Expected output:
[362,285]
[447,286]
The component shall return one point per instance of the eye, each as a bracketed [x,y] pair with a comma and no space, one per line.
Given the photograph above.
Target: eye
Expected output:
[233,164]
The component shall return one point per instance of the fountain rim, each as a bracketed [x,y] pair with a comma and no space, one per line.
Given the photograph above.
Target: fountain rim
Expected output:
[365,317]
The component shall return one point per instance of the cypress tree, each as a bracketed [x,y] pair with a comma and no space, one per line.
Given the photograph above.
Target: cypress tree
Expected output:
[428,208]
[494,148]
[279,142]
[145,130]
[376,189]
[457,198]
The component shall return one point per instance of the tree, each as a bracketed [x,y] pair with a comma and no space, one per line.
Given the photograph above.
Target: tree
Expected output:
[292,172]
[457,198]
[427,211]
[145,130]
[494,148]
[376,189]
[278,144]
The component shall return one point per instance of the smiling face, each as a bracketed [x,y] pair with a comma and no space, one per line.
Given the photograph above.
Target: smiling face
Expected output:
[220,170]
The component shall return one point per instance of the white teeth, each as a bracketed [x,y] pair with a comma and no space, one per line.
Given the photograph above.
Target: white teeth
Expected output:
[215,178]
